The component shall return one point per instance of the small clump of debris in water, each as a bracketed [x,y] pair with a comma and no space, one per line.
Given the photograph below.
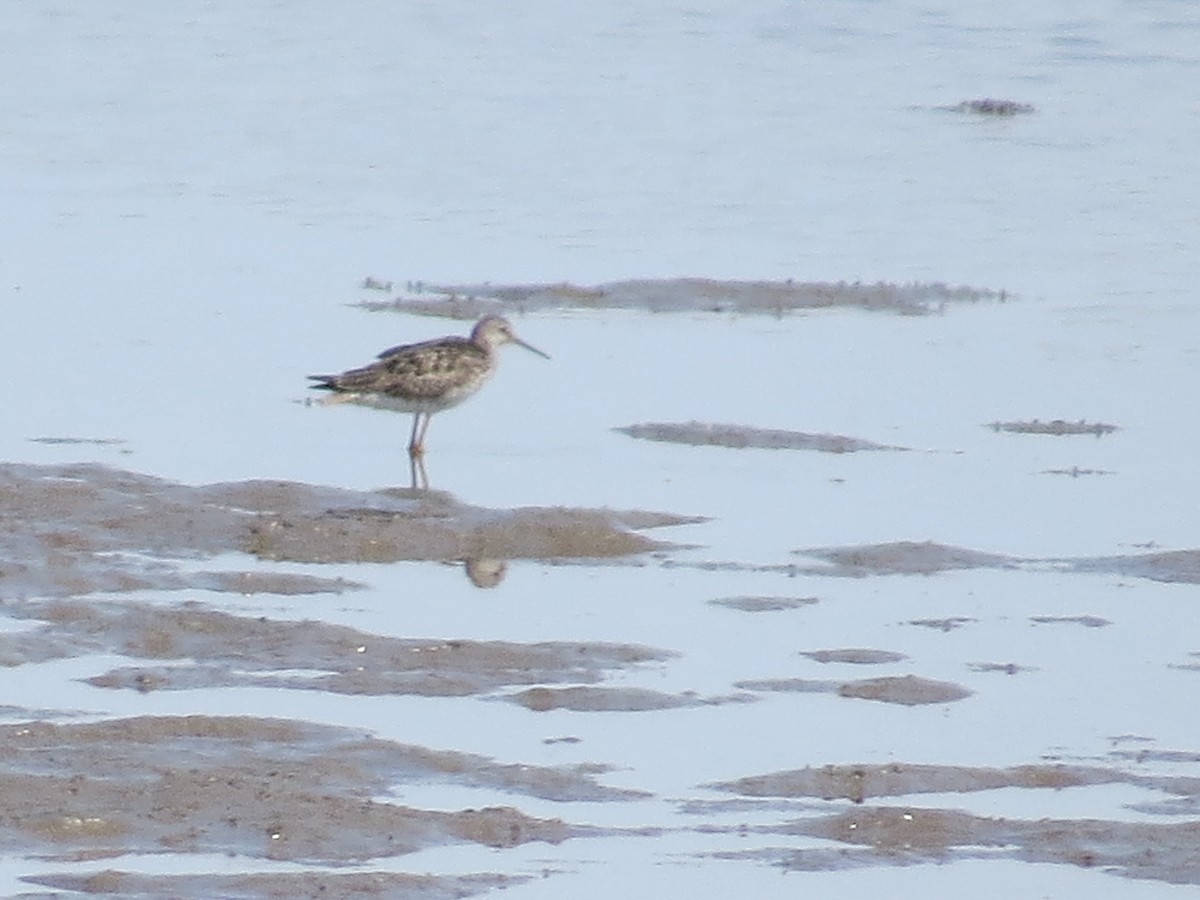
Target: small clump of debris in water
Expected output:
[1055,427]
[989,106]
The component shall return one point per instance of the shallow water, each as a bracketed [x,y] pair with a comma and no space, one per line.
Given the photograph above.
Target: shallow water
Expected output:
[194,196]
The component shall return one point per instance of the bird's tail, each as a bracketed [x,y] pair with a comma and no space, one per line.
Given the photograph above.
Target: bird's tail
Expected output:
[324,382]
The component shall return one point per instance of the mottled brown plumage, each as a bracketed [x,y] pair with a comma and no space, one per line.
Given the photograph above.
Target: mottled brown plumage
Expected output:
[427,377]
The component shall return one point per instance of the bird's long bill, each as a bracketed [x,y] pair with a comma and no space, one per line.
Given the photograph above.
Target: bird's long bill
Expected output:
[520,343]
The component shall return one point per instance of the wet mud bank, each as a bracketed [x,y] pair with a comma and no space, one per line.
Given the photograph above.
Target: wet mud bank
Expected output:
[78,529]
[1055,427]
[906,690]
[861,782]
[261,789]
[905,836]
[99,794]
[280,885]
[930,558]
[464,301]
[199,647]
[908,835]
[705,434]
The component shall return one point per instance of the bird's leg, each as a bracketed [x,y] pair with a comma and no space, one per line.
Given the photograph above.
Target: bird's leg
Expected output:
[419,435]
[416,441]
[416,469]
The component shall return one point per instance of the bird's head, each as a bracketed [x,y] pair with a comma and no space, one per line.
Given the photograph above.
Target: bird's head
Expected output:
[494,331]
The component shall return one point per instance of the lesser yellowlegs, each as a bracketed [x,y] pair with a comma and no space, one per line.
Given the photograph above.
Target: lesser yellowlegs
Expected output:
[427,377]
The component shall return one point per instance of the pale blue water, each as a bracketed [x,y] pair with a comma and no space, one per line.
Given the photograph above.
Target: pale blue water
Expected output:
[193,190]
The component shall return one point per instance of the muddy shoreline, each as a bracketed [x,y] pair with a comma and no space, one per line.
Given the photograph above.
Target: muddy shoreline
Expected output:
[81,529]
[77,537]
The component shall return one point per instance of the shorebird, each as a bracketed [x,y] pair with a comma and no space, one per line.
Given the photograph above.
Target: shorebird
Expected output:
[427,377]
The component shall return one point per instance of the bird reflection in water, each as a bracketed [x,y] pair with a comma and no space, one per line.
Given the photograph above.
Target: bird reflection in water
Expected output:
[486,573]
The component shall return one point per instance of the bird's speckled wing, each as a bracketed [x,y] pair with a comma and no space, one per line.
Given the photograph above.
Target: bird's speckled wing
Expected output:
[426,371]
